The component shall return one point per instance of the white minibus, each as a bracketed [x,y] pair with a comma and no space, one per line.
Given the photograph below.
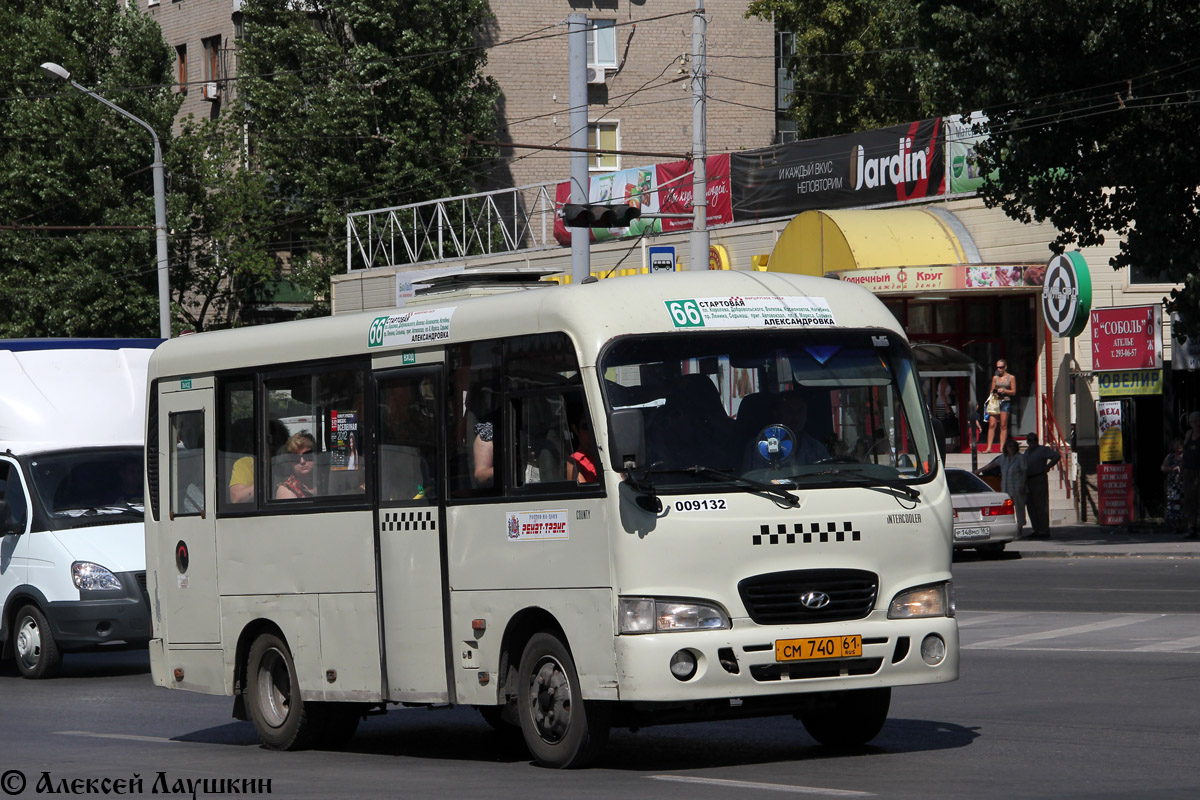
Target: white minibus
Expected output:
[684,496]
[72,551]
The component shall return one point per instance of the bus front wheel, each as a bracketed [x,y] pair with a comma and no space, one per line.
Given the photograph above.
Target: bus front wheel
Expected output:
[848,718]
[561,730]
[273,696]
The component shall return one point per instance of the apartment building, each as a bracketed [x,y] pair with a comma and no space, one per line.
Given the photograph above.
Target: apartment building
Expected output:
[639,65]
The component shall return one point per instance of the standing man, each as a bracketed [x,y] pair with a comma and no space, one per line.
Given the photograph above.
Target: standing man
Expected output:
[1039,460]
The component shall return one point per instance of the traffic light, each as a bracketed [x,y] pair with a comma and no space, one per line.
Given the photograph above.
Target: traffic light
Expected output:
[599,216]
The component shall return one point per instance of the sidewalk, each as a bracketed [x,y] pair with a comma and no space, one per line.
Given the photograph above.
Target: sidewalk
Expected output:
[1089,540]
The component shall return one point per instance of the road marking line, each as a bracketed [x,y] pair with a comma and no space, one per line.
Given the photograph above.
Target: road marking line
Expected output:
[1167,647]
[1008,641]
[129,736]
[771,787]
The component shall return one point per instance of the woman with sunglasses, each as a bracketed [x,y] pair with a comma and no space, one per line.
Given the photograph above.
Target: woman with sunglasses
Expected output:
[300,483]
[1004,387]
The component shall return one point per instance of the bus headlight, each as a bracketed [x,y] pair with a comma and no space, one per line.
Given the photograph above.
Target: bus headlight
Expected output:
[654,615]
[935,600]
[93,577]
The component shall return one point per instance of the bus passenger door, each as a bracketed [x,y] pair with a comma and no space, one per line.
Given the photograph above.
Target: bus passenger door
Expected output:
[412,584]
[187,556]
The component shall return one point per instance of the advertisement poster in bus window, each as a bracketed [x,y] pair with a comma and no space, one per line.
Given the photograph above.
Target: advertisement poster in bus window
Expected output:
[343,455]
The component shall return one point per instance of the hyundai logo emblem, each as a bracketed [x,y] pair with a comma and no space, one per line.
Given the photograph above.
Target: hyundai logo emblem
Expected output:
[814,600]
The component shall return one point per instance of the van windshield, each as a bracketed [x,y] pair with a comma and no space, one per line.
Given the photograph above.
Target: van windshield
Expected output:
[790,408]
[78,488]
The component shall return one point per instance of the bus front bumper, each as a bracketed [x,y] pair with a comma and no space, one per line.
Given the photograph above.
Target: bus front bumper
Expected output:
[741,662]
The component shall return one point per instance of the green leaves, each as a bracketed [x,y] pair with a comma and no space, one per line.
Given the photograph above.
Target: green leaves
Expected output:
[67,160]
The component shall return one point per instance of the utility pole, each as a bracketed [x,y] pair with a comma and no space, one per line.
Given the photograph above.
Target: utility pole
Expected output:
[699,239]
[581,255]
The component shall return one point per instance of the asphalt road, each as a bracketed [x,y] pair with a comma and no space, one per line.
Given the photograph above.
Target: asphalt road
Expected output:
[1079,679]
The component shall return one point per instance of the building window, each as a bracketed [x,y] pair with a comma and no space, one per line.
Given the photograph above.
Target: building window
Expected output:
[604,136]
[181,68]
[602,43]
[212,58]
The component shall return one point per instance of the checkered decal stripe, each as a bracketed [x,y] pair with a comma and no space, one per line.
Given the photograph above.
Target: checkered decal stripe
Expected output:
[807,534]
[408,521]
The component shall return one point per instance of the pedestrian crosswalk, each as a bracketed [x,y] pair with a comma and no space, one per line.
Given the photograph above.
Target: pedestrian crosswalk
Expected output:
[1079,632]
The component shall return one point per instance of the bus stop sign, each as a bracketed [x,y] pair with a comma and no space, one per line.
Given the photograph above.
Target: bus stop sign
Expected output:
[662,259]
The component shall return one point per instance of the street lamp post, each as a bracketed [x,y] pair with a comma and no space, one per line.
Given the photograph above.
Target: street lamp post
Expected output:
[160,199]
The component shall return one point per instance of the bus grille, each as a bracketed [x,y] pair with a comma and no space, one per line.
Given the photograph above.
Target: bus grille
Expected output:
[775,598]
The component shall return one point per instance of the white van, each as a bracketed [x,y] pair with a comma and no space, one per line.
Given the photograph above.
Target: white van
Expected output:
[72,556]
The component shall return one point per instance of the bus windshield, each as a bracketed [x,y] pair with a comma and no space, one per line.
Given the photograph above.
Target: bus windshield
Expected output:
[788,408]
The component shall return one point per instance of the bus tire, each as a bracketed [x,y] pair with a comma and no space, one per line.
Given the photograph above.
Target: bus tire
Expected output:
[273,696]
[34,648]
[561,730]
[848,718]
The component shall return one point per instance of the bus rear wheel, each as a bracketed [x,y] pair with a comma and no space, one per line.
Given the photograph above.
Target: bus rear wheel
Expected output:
[36,651]
[273,696]
[561,730]
[848,718]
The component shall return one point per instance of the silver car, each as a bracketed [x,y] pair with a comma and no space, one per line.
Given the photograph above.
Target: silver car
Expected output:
[983,519]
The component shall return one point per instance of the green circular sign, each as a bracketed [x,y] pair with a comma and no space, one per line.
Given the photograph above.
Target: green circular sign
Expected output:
[1067,294]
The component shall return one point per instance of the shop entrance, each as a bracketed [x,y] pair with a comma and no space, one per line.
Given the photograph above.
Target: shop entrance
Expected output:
[986,327]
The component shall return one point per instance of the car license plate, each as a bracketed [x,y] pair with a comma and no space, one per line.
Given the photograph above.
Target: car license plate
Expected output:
[821,647]
[982,532]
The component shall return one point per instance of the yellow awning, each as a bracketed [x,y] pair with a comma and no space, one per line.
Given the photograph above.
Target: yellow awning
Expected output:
[817,242]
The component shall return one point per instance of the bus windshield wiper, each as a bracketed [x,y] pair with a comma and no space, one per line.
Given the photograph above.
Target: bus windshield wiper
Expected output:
[777,492]
[870,483]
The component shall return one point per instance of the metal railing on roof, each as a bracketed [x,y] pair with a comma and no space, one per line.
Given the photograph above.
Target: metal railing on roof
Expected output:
[486,223]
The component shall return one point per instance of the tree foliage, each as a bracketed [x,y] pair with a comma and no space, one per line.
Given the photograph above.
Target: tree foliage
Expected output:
[67,160]
[1093,108]
[856,63]
[352,105]
[1092,105]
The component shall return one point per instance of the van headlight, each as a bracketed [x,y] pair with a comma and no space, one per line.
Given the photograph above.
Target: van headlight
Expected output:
[657,615]
[93,577]
[935,600]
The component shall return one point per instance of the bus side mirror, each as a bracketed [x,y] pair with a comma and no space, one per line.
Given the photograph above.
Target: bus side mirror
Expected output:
[939,435]
[628,443]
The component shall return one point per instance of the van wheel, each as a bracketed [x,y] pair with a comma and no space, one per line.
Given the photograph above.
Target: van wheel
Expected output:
[36,651]
[273,696]
[847,718]
[561,730]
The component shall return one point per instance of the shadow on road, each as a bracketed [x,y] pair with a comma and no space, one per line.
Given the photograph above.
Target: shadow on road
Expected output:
[459,735]
[111,664]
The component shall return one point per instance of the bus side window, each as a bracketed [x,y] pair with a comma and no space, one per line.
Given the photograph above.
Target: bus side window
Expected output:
[408,441]
[235,443]
[475,437]
[187,463]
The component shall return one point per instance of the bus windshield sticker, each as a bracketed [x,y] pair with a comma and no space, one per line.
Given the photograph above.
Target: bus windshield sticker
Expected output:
[527,526]
[768,311]
[411,327]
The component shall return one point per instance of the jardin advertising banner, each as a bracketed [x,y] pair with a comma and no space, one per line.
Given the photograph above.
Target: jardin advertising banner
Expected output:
[657,188]
[904,162]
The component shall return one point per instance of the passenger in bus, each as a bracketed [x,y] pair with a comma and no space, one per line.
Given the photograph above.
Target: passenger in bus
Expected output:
[482,447]
[241,475]
[582,465]
[299,483]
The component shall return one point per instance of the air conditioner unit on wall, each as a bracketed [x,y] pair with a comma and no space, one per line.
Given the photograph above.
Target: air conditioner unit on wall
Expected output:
[210,91]
[597,74]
